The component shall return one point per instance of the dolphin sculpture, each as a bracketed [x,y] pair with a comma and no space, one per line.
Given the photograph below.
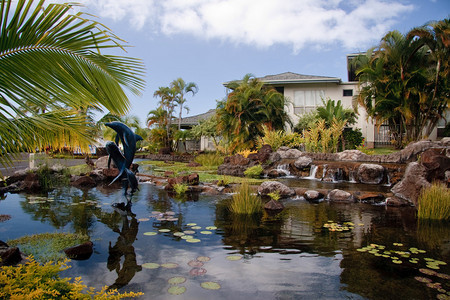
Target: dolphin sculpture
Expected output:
[121,163]
[128,139]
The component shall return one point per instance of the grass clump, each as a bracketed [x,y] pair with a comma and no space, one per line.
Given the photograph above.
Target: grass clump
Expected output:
[434,202]
[254,172]
[35,281]
[274,195]
[245,201]
[46,247]
[180,188]
[210,159]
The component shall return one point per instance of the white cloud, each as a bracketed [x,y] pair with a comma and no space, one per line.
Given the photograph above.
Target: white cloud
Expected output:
[261,23]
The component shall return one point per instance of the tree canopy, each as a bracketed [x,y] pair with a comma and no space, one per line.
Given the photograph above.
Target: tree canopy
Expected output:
[52,60]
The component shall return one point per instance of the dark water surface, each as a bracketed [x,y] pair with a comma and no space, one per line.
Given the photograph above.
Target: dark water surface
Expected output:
[287,256]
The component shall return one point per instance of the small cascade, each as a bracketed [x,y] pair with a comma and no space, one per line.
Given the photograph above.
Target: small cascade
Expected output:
[351,176]
[388,183]
[312,172]
[283,169]
[324,172]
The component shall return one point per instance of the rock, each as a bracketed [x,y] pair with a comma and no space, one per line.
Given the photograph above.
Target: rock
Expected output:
[191,179]
[110,173]
[340,196]
[274,173]
[351,155]
[412,183]
[370,173]
[367,197]
[80,252]
[286,152]
[31,183]
[436,163]
[397,202]
[303,162]
[194,164]
[18,176]
[275,157]
[83,182]
[268,187]
[264,153]
[9,256]
[273,205]
[102,163]
[312,195]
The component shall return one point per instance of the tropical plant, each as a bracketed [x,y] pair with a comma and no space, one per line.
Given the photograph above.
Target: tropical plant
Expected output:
[404,81]
[180,188]
[254,172]
[209,159]
[53,61]
[247,108]
[334,110]
[183,136]
[274,195]
[434,202]
[167,103]
[181,88]
[322,139]
[35,281]
[207,128]
[245,201]
[274,138]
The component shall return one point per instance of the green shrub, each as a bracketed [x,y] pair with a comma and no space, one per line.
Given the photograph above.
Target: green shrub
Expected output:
[434,202]
[245,201]
[46,247]
[210,159]
[352,138]
[274,195]
[35,281]
[254,172]
[180,188]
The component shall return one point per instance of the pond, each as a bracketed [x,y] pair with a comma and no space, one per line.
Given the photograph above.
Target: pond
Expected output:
[308,251]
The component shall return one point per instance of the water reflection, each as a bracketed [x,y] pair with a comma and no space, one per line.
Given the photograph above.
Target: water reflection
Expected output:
[124,247]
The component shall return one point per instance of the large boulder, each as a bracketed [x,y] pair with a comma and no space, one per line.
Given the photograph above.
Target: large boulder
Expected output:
[268,187]
[286,152]
[80,252]
[274,206]
[370,173]
[10,256]
[412,183]
[436,163]
[312,195]
[191,179]
[263,154]
[340,196]
[303,162]
[31,183]
[83,182]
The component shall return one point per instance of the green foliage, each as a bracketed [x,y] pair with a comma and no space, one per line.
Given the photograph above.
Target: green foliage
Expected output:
[209,159]
[306,121]
[247,108]
[35,281]
[352,138]
[49,179]
[323,139]
[254,172]
[48,246]
[334,110]
[207,128]
[434,202]
[275,195]
[274,138]
[54,73]
[245,201]
[180,188]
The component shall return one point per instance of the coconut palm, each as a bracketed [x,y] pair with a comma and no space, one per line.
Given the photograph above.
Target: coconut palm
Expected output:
[167,102]
[248,108]
[50,58]
[181,88]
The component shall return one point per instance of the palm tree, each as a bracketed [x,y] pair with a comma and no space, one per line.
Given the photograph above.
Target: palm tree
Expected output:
[50,58]
[167,103]
[250,106]
[181,88]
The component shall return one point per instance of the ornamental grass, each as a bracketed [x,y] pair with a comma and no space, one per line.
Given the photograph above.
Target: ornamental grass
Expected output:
[434,202]
[245,201]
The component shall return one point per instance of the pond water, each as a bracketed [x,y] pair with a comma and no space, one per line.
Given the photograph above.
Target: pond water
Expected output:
[381,252]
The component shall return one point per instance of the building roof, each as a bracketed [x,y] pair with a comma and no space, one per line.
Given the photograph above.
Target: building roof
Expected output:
[194,120]
[290,78]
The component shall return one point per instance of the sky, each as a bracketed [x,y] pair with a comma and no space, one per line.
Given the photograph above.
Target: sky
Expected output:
[210,42]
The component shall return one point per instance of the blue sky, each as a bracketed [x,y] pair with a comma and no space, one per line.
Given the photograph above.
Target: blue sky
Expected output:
[213,41]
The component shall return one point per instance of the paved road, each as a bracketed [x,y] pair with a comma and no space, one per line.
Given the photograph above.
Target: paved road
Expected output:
[22,162]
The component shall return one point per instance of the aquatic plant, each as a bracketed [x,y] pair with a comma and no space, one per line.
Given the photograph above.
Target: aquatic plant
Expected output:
[245,201]
[180,188]
[46,247]
[274,195]
[434,202]
[35,281]
[254,172]
[49,179]
[210,159]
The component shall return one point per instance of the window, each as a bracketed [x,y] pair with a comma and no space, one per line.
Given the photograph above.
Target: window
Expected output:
[347,93]
[306,101]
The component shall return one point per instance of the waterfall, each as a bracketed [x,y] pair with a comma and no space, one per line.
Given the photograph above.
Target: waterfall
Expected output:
[388,180]
[312,172]
[283,169]
[351,176]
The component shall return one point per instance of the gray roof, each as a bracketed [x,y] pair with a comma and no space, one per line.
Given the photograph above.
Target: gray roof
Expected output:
[290,77]
[194,120]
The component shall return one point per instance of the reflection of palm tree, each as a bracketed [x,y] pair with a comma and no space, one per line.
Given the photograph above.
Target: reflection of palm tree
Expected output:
[124,247]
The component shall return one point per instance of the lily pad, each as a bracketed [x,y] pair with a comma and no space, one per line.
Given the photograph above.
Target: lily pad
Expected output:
[195,263]
[187,237]
[234,257]
[150,233]
[176,290]
[396,261]
[203,258]
[205,232]
[422,279]
[197,272]
[189,231]
[209,285]
[193,240]
[178,234]
[191,224]
[211,228]
[170,213]
[151,265]
[427,271]
[196,227]
[143,219]
[169,265]
[176,280]
[164,230]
